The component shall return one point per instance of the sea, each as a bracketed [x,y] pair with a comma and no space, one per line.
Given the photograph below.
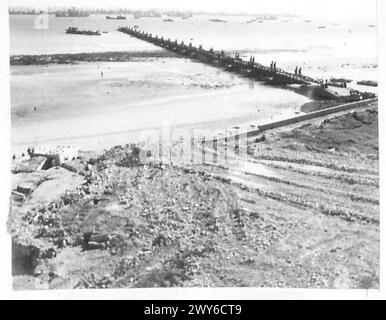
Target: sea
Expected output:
[323,47]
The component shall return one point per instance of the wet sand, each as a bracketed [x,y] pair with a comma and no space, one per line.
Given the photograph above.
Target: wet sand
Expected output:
[74,104]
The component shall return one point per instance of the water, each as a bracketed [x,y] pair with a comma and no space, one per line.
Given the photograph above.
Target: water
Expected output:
[139,95]
[342,49]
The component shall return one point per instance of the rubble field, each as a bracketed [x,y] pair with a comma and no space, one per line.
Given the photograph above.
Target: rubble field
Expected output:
[301,212]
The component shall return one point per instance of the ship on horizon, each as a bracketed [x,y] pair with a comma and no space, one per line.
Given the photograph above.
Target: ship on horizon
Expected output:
[118,17]
[147,14]
[73,13]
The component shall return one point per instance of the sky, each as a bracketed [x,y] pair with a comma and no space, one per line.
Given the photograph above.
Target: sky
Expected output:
[332,8]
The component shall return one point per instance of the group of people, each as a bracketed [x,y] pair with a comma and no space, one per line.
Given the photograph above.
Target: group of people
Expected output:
[30,152]
[273,66]
[298,71]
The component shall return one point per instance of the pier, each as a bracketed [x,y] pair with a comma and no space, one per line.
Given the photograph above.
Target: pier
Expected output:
[232,63]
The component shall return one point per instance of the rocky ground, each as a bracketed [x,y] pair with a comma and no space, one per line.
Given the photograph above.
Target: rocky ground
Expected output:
[66,58]
[112,56]
[302,211]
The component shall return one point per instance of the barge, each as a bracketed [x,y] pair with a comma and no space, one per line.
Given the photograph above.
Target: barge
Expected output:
[76,30]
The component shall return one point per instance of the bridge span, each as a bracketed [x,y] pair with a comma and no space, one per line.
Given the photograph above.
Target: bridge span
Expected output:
[234,63]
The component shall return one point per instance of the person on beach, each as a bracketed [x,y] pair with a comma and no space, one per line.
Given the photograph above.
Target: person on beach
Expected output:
[274,66]
[296,71]
[101,74]
[300,71]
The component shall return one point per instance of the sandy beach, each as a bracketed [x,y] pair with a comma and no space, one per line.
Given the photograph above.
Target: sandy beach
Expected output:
[75,104]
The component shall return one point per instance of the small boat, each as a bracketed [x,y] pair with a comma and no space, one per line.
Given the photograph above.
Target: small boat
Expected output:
[168,20]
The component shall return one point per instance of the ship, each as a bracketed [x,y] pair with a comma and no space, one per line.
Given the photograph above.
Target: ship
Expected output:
[146,14]
[178,14]
[119,17]
[73,13]
[76,30]
[218,20]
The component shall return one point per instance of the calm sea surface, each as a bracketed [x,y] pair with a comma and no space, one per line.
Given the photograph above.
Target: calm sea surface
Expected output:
[322,48]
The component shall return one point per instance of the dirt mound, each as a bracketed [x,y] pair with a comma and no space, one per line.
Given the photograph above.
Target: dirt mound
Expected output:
[307,216]
[154,221]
